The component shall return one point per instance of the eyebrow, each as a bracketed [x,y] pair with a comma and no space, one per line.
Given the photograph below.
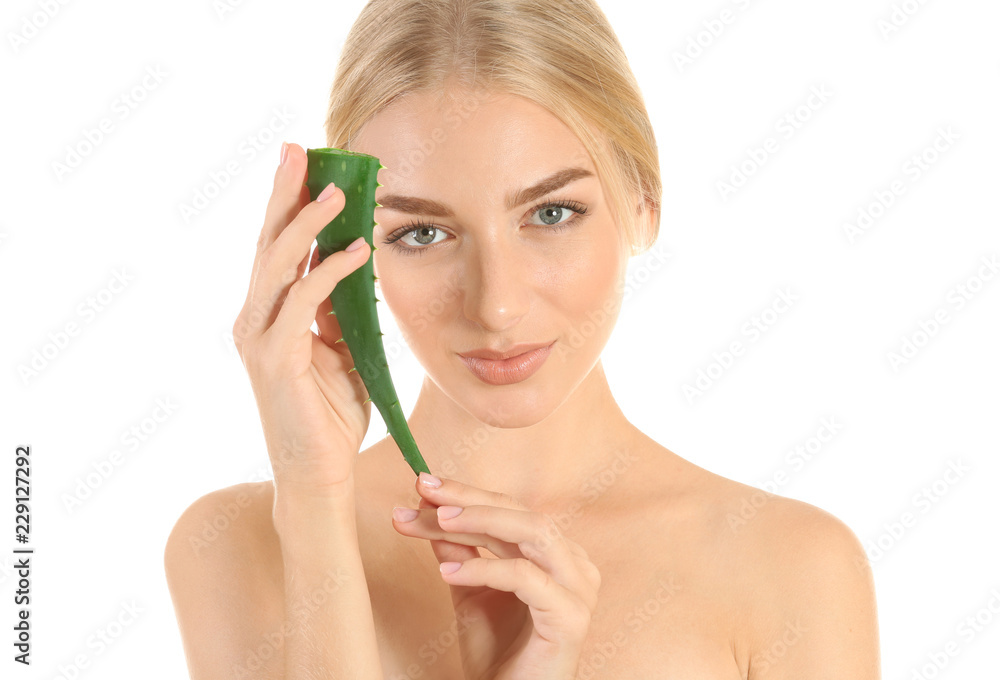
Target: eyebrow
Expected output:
[424,206]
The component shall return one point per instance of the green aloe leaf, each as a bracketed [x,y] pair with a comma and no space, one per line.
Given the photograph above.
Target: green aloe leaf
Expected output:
[353,299]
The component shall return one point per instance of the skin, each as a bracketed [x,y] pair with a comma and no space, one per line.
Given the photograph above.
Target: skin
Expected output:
[493,276]
[555,569]
[497,277]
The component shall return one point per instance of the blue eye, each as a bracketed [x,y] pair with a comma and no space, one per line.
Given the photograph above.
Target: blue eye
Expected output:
[425,233]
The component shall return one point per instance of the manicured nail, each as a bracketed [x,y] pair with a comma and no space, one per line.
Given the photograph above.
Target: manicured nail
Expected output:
[429,480]
[404,514]
[284,153]
[449,511]
[327,192]
[358,242]
[450,567]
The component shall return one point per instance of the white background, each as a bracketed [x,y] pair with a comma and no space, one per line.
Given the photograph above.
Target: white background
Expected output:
[165,335]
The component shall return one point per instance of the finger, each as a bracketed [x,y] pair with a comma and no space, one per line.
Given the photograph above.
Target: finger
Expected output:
[326,320]
[280,265]
[298,309]
[452,492]
[446,551]
[426,526]
[535,535]
[288,196]
[291,222]
[555,607]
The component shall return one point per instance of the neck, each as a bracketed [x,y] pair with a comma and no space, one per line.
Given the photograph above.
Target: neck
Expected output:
[547,465]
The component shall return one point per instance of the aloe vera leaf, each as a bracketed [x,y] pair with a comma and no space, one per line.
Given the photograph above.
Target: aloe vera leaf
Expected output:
[353,299]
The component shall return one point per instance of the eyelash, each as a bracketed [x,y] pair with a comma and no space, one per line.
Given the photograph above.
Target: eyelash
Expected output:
[411,227]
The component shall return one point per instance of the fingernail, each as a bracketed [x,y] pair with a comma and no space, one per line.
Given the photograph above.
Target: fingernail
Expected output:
[327,192]
[284,153]
[404,514]
[450,567]
[357,243]
[449,511]
[429,480]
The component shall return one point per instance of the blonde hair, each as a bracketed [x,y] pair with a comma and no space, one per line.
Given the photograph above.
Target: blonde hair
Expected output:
[561,54]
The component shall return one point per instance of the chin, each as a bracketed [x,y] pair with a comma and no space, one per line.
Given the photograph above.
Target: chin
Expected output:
[508,413]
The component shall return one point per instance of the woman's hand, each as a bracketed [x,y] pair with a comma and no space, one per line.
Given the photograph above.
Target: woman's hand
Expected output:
[528,611]
[312,404]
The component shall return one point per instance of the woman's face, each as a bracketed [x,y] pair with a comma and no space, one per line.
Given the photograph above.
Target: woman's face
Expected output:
[493,263]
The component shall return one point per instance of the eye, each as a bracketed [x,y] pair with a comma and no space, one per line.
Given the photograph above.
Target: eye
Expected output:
[423,234]
[553,216]
[553,213]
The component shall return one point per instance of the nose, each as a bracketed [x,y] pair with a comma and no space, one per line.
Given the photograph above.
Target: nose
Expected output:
[497,286]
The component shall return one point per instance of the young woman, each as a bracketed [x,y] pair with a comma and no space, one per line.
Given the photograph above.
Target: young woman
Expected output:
[521,173]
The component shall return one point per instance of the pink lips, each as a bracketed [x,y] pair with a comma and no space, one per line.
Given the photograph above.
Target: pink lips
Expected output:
[508,371]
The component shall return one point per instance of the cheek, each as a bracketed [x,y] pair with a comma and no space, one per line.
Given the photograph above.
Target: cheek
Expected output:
[418,297]
[585,279]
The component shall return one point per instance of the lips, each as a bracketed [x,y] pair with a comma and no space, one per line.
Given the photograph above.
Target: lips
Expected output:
[513,369]
[510,352]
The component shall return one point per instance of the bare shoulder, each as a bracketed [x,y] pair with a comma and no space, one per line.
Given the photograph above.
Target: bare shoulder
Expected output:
[236,517]
[225,574]
[222,548]
[808,593]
